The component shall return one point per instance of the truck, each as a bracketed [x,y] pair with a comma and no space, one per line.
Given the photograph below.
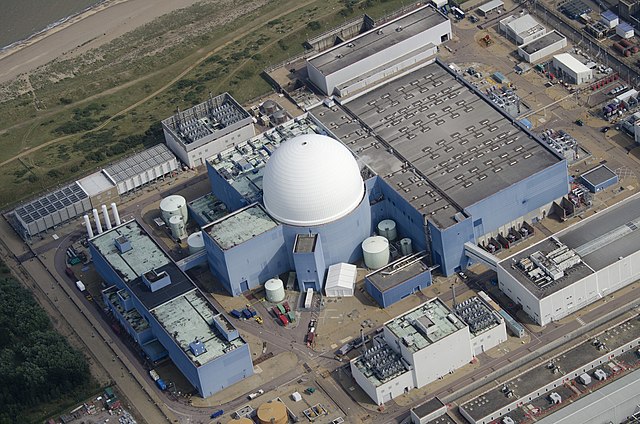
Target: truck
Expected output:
[154,375]
[161,384]
[256,394]
[310,336]
[70,273]
[80,286]
[236,313]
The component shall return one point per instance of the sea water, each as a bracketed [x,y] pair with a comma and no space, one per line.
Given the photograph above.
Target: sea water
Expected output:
[21,19]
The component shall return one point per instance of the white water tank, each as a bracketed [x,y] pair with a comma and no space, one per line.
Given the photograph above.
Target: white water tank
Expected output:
[376,252]
[177,227]
[274,290]
[405,246]
[195,242]
[174,205]
[387,229]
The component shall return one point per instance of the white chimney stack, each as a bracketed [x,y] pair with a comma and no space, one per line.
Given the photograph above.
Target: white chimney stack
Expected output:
[87,224]
[105,214]
[96,218]
[116,215]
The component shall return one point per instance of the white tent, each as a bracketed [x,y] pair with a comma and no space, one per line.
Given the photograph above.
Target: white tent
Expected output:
[296,396]
[341,280]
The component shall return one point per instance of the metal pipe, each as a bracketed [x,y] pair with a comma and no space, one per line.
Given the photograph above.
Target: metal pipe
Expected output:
[96,218]
[105,214]
[116,215]
[87,224]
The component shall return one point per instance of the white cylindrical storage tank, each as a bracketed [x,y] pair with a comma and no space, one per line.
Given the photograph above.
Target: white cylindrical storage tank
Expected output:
[376,252]
[174,205]
[116,215]
[405,246]
[96,218]
[274,289]
[105,215]
[195,242]
[177,227]
[387,229]
[87,224]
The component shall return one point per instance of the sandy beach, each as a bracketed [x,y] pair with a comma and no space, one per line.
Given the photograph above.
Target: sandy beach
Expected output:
[86,31]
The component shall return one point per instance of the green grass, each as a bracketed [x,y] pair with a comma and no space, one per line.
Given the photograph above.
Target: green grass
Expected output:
[69,107]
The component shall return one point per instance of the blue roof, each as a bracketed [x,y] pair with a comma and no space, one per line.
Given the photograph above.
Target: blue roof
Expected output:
[625,26]
[609,15]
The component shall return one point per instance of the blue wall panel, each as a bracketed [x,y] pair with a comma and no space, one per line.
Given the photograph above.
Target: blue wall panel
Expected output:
[310,267]
[255,261]
[448,246]
[521,198]
[399,292]
[224,371]
[216,260]
[223,190]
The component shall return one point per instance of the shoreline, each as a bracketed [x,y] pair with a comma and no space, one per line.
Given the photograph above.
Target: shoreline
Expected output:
[56,26]
[95,26]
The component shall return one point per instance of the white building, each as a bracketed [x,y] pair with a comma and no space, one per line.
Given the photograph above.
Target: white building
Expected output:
[522,29]
[207,129]
[380,52]
[539,48]
[414,349]
[566,272]
[486,327]
[341,280]
[609,19]
[624,30]
[571,69]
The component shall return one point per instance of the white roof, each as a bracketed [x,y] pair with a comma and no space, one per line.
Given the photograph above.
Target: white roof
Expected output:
[95,184]
[490,5]
[571,62]
[311,179]
[341,275]
[524,24]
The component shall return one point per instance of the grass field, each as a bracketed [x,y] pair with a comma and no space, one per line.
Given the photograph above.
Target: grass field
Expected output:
[74,116]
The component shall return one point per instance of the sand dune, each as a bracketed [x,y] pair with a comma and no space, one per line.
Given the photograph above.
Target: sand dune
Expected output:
[88,30]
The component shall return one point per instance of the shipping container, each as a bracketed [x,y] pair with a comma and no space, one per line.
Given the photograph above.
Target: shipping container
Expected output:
[310,337]
[246,313]
[276,312]
[284,320]
[70,273]
[154,375]
[217,414]
[236,313]
[80,286]
[161,384]
[291,316]
[286,306]
[281,309]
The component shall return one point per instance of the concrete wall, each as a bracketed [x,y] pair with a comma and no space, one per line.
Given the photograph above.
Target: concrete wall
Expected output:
[575,77]
[399,292]
[327,83]
[489,339]
[440,358]
[385,392]
[225,371]
[196,156]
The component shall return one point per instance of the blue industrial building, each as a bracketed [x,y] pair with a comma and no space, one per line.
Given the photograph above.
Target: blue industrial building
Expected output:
[164,312]
[426,150]
[599,178]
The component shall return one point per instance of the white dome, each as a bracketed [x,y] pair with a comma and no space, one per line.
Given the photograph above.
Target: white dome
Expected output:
[311,179]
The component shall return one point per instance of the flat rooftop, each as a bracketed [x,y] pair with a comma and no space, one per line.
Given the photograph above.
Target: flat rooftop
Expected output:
[524,25]
[543,42]
[305,243]
[599,240]
[397,272]
[240,226]
[96,183]
[598,175]
[139,163]
[429,407]
[208,208]
[424,325]
[377,39]
[539,376]
[243,165]
[437,141]
[143,256]
[51,203]
[190,317]
[133,317]
[207,121]
[479,316]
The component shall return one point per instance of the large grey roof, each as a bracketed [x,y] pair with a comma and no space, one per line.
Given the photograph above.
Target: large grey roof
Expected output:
[139,163]
[542,42]
[437,141]
[377,40]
